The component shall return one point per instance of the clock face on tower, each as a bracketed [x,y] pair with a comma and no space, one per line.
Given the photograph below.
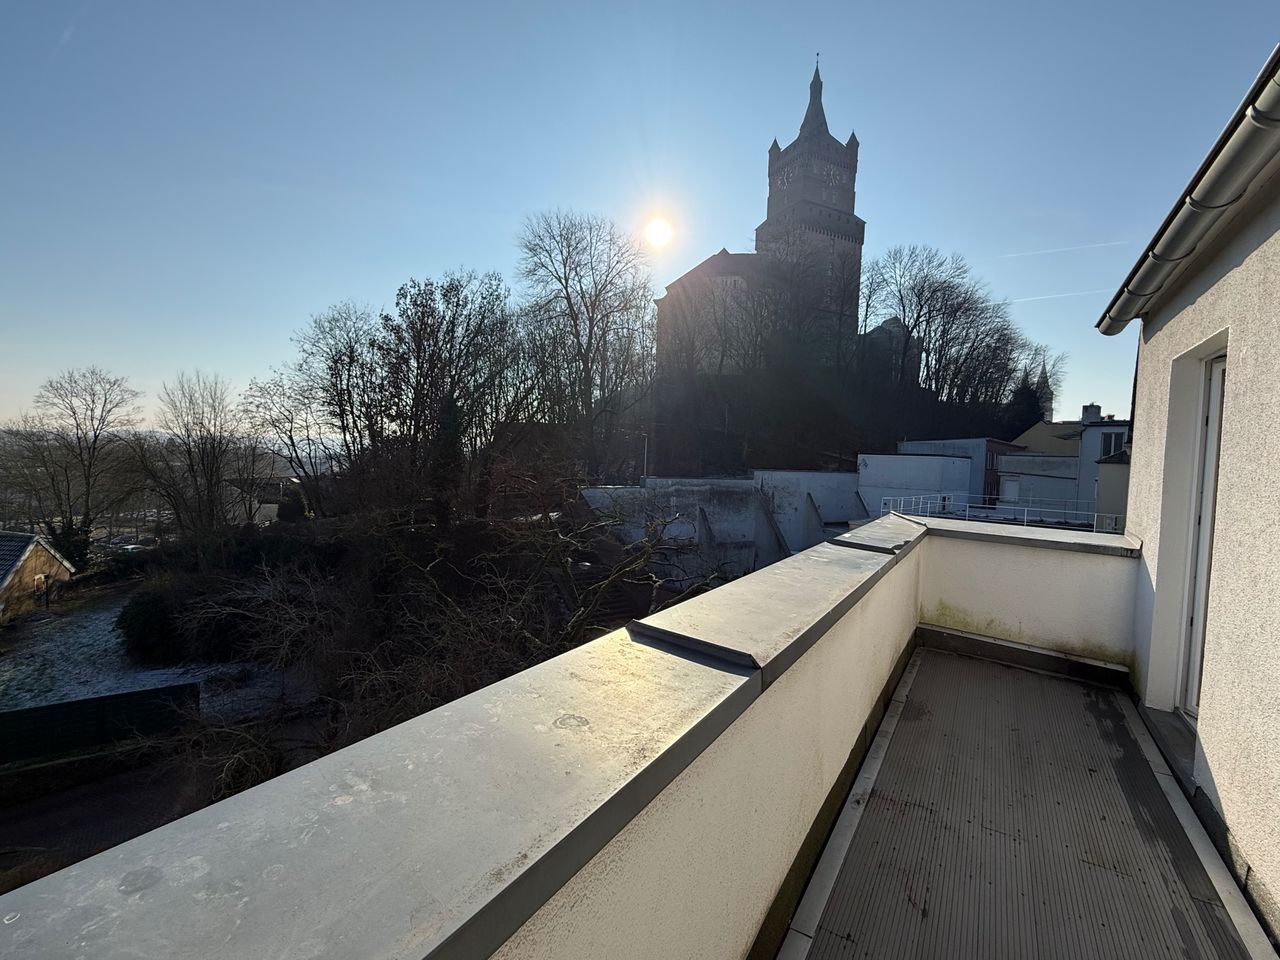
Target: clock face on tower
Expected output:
[834,176]
[785,178]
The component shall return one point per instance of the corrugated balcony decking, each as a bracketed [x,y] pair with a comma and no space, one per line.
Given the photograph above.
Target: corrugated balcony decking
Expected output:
[1015,815]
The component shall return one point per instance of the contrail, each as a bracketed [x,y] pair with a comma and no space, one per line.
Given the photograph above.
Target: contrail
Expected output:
[71,27]
[1059,296]
[1083,246]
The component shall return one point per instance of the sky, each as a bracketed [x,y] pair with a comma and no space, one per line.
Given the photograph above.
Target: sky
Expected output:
[182,185]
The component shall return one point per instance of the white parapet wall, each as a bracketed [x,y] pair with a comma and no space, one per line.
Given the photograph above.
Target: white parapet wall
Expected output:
[696,872]
[1069,592]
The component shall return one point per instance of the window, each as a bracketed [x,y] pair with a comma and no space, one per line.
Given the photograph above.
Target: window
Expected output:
[1112,442]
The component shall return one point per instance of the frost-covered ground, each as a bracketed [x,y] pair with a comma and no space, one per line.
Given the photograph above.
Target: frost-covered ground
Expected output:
[76,652]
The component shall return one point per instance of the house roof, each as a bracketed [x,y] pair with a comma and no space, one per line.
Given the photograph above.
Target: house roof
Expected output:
[14,548]
[1007,443]
[1109,422]
[1243,157]
[1056,438]
[722,264]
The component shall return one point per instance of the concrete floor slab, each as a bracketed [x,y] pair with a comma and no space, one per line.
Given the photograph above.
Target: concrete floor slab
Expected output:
[1015,815]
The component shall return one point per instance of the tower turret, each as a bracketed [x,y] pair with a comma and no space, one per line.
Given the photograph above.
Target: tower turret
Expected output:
[812,192]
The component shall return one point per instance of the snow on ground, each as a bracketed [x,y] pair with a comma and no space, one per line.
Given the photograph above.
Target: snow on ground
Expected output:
[77,652]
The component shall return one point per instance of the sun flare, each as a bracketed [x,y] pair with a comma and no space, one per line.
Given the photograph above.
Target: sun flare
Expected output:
[658,232]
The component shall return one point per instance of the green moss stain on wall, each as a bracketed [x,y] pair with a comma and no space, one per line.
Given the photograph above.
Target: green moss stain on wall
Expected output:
[945,614]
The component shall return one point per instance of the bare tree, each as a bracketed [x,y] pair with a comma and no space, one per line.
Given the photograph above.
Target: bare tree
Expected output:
[400,407]
[690,339]
[198,448]
[336,374]
[65,455]
[959,343]
[281,410]
[591,292]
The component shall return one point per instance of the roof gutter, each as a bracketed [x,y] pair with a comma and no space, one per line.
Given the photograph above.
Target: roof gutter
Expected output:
[1250,141]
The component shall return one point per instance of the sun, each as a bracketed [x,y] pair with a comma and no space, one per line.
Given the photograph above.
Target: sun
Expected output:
[658,232]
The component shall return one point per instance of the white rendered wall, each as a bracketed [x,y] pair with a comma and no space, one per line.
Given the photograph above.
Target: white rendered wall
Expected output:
[1090,453]
[906,475]
[973,448]
[835,496]
[744,805]
[1231,303]
[1045,477]
[835,493]
[1070,602]
[734,508]
[1113,488]
[726,517]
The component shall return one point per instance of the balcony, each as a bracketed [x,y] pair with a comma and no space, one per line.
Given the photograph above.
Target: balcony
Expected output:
[1012,812]
[912,740]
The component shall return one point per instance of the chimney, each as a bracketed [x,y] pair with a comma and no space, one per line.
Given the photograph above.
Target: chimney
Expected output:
[1090,413]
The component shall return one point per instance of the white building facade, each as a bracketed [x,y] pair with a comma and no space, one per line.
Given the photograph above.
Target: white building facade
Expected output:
[1205,451]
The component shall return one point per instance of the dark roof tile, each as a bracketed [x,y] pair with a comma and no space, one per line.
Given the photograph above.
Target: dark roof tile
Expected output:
[12,547]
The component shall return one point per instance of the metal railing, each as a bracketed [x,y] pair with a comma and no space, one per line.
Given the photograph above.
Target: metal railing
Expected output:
[1027,513]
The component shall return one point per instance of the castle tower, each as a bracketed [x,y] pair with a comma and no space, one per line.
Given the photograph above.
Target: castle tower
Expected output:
[811,196]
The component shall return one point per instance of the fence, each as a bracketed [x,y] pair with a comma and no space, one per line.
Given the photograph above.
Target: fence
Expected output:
[58,729]
[1027,513]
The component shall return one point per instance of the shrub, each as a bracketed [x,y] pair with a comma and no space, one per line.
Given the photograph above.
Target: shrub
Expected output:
[149,624]
[292,507]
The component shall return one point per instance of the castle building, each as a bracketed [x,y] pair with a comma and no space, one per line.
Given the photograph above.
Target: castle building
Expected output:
[803,279]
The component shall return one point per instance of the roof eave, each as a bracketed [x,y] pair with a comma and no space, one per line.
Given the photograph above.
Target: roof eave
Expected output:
[44,542]
[1245,148]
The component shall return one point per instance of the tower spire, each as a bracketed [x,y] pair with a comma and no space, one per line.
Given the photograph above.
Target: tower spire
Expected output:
[815,119]
[1044,390]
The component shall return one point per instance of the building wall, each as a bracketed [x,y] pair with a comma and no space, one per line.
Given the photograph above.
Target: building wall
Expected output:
[1113,488]
[735,521]
[796,494]
[1231,303]
[1074,603]
[974,449]
[723,520]
[19,596]
[1044,477]
[906,475]
[1090,453]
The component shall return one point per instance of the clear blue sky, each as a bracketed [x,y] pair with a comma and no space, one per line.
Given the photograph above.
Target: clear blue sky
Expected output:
[183,184]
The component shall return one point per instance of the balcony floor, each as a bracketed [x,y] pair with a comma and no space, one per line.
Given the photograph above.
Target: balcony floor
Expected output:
[1015,815]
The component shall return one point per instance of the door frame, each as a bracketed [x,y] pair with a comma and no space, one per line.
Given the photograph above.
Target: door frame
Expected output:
[1202,519]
